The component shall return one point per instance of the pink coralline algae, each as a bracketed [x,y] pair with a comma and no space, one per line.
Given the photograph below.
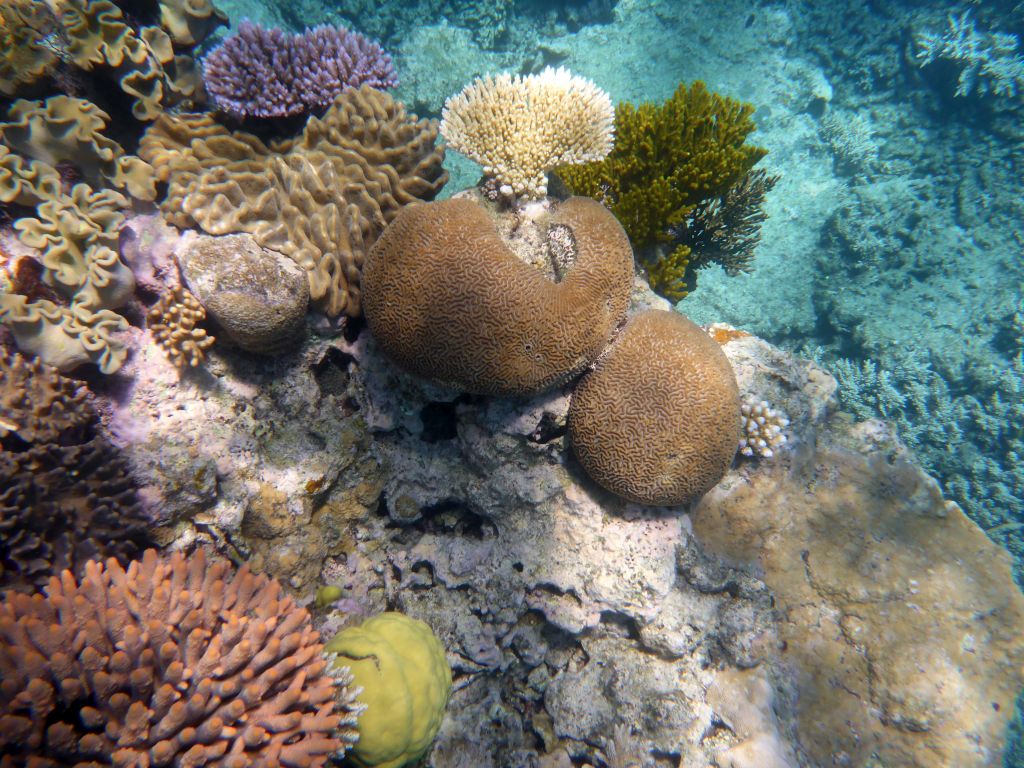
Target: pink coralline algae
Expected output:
[270,73]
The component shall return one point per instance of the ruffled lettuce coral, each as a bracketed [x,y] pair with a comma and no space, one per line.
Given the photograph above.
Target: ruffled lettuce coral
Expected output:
[667,159]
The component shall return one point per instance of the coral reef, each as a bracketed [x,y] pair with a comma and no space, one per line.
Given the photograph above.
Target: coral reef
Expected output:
[199,665]
[452,302]
[321,199]
[520,127]
[74,231]
[657,420]
[261,72]
[257,297]
[667,159]
[173,321]
[66,497]
[987,62]
[99,37]
[400,665]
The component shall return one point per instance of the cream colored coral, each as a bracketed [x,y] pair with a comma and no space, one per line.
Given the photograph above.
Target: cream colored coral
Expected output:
[762,429]
[518,128]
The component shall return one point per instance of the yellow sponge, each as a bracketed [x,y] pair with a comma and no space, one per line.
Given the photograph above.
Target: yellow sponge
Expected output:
[401,667]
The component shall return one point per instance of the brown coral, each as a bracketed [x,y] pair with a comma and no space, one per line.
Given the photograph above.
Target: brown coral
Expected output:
[322,199]
[658,419]
[172,661]
[173,321]
[65,496]
[449,301]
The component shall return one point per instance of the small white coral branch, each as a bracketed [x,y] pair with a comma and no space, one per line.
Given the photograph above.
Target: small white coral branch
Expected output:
[519,128]
[762,429]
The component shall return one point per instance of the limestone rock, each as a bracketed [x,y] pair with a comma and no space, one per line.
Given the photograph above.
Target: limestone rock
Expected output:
[257,296]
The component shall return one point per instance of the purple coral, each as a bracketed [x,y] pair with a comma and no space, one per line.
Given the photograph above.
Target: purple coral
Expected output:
[270,73]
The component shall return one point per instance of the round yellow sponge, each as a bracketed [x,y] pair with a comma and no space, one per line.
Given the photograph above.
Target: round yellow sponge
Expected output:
[401,667]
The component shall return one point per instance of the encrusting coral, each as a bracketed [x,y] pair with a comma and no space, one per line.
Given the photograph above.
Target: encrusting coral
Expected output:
[400,667]
[65,495]
[667,159]
[658,418]
[269,73]
[448,300]
[321,199]
[520,127]
[171,661]
[173,320]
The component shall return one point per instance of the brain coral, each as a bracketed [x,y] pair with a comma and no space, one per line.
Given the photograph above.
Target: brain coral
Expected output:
[171,662]
[519,128]
[658,419]
[450,301]
[321,199]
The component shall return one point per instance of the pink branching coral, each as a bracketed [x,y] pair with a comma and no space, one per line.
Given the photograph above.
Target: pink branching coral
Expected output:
[174,661]
[270,73]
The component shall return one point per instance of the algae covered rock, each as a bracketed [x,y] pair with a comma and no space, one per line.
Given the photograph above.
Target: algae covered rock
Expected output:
[401,667]
[258,297]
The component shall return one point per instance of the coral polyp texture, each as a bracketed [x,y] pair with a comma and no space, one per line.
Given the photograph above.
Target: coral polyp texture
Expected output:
[667,159]
[520,127]
[763,429]
[65,495]
[450,301]
[321,199]
[172,661]
[657,420]
[174,321]
[262,72]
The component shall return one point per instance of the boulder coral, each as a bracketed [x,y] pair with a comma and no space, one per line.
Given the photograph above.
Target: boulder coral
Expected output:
[658,419]
[400,666]
[450,301]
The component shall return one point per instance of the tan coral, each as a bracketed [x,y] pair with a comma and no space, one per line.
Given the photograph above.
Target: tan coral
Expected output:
[171,661]
[27,30]
[658,419]
[189,22]
[321,199]
[26,182]
[173,321]
[37,403]
[520,127]
[449,301]
[63,129]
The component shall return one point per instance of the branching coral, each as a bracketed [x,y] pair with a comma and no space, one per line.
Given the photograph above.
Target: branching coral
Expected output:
[519,128]
[762,429]
[173,321]
[667,159]
[170,661]
[269,73]
[65,496]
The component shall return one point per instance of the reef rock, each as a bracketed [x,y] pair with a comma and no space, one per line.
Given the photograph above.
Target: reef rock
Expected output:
[822,607]
[257,297]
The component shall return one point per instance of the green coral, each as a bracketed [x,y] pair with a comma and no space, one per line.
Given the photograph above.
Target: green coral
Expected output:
[400,665]
[669,158]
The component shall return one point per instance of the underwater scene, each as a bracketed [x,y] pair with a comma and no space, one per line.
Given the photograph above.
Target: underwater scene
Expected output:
[511,384]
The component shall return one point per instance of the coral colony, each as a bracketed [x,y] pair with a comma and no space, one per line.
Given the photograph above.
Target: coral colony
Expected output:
[303,460]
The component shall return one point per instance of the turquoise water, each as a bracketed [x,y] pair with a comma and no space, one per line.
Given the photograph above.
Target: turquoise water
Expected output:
[891,254]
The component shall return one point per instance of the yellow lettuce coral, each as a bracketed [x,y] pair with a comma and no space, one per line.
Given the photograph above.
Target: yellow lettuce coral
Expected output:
[668,158]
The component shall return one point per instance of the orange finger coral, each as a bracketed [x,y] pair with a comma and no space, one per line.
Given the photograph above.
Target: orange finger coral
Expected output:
[173,661]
